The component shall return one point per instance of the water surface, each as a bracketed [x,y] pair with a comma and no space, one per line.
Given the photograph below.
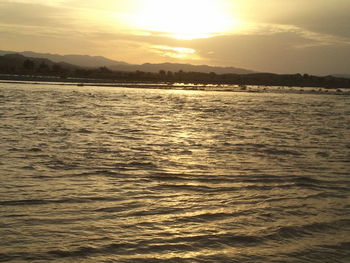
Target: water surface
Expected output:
[98,174]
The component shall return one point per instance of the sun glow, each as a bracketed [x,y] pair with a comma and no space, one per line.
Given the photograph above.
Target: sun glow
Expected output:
[184,19]
[175,52]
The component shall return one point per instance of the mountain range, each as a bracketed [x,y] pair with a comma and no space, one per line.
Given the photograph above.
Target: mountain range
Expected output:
[15,60]
[99,61]
[86,61]
[16,66]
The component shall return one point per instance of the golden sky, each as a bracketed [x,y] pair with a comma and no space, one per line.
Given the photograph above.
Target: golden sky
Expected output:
[283,36]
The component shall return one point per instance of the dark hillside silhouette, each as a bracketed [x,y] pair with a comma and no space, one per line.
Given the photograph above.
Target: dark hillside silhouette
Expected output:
[28,68]
[21,65]
[99,61]
[155,68]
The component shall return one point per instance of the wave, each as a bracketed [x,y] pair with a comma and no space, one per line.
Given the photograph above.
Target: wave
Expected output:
[98,174]
[30,202]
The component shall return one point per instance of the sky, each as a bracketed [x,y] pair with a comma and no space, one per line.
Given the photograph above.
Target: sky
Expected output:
[280,36]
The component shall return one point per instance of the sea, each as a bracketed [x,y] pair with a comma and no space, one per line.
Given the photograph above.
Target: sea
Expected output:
[133,174]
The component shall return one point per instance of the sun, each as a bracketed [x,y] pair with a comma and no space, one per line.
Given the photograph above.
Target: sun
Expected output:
[184,19]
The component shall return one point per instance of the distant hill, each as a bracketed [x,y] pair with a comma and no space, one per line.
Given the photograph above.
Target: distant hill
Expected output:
[19,67]
[78,60]
[347,76]
[174,67]
[99,61]
[18,60]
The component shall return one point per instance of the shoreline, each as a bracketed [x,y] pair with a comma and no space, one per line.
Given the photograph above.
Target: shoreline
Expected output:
[78,82]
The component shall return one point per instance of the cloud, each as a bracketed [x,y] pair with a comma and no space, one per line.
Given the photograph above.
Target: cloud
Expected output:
[175,52]
[280,52]
[51,18]
[281,36]
[274,50]
[325,17]
[29,14]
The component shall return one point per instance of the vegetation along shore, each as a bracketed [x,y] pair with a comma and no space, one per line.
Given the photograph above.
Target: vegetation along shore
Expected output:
[20,68]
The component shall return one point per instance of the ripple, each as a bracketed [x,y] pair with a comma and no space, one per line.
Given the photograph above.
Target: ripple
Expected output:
[100,174]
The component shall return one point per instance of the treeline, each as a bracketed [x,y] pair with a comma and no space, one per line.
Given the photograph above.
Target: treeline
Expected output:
[15,64]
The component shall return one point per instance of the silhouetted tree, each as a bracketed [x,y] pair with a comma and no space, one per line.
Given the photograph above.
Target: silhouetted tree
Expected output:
[169,75]
[43,68]
[104,70]
[57,68]
[28,65]
[162,74]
